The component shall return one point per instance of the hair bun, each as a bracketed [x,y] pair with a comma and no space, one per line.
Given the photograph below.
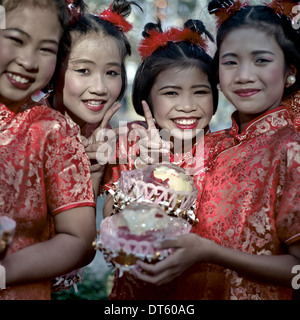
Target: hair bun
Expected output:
[151,27]
[199,27]
[123,7]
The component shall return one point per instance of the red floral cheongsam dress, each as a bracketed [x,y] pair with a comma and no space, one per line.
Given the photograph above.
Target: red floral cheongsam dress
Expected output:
[250,202]
[43,171]
[292,104]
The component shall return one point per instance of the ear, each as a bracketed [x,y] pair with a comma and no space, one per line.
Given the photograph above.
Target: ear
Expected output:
[292,71]
[290,76]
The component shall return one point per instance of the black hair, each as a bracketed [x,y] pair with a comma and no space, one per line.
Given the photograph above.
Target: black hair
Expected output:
[87,23]
[175,54]
[263,18]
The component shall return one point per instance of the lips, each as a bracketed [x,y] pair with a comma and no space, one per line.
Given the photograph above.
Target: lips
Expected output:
[246,92]
[186,123]
[19,81]
[94,105]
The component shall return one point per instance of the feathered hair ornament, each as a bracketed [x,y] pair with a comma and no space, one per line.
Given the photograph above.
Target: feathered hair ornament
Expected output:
[156,39]
[223,9]
[283,8]
[116,19]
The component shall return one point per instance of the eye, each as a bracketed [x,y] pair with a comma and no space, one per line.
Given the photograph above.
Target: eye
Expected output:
[229,63]
[170,93]
[15,40]
[201,92]
[83,71]
[49,50]
[263,60]
[113,73]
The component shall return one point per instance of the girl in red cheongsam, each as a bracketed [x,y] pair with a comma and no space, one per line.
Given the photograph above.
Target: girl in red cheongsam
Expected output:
[175,90]
[44,171]
[92,76]
[247,240]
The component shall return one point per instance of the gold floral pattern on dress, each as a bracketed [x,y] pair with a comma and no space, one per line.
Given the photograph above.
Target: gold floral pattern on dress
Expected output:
[43,170]
[251,197]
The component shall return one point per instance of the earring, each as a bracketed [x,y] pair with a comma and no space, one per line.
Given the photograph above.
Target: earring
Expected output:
[219,87]
[291,80]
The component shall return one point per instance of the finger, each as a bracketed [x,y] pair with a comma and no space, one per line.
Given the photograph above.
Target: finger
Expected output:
[138,130]
[154,269]
[153,146]
[168,243]
[148,115]
[104,135]
[157,279]
[84,141]
[93,147]
[146,278]
[109,114]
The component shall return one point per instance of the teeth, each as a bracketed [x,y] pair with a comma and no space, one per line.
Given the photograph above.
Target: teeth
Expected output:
[94,103]
[185,122]
[18,78]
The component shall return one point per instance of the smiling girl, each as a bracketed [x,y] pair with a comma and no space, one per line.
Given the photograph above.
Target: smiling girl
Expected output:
[92,73]
[175,90]
[247,240]
[44,172]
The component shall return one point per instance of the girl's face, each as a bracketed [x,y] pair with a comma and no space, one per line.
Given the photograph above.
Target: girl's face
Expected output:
[91,82]
[28,50]
[252,72]
[182,101]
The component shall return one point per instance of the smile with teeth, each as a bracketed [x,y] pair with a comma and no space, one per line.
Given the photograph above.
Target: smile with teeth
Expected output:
[185,122]
[18,78]
[94,103]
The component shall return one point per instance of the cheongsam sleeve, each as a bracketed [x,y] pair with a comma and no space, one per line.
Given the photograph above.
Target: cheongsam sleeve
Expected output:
[67,171]
[288,219]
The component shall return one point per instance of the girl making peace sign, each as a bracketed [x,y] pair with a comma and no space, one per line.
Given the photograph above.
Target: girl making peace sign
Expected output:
[91,76]
[175,85]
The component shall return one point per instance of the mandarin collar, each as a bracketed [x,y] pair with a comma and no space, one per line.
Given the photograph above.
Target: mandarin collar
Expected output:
[28,104]
[273,119]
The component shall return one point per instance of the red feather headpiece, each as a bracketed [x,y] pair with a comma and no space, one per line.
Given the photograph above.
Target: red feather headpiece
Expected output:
[280,8]
[188,35]
[155,40]
[116,19]
[283,7]
[158,39]
[223,14]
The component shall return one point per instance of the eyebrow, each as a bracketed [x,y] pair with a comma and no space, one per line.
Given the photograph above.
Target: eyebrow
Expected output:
[179,88]
[254,53]
[74,61]
[28,36]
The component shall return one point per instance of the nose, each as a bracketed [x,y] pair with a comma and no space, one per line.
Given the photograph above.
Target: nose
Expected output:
[28,60]
[98,85]
[244,73]
[186,104]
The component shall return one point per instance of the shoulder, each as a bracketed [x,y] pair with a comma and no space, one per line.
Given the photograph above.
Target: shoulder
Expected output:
[53,121]
[214,137]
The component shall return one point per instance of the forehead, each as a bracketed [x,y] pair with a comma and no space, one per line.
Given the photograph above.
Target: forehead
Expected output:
[182,75]
[94,45]
[249,40]
[38,22]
